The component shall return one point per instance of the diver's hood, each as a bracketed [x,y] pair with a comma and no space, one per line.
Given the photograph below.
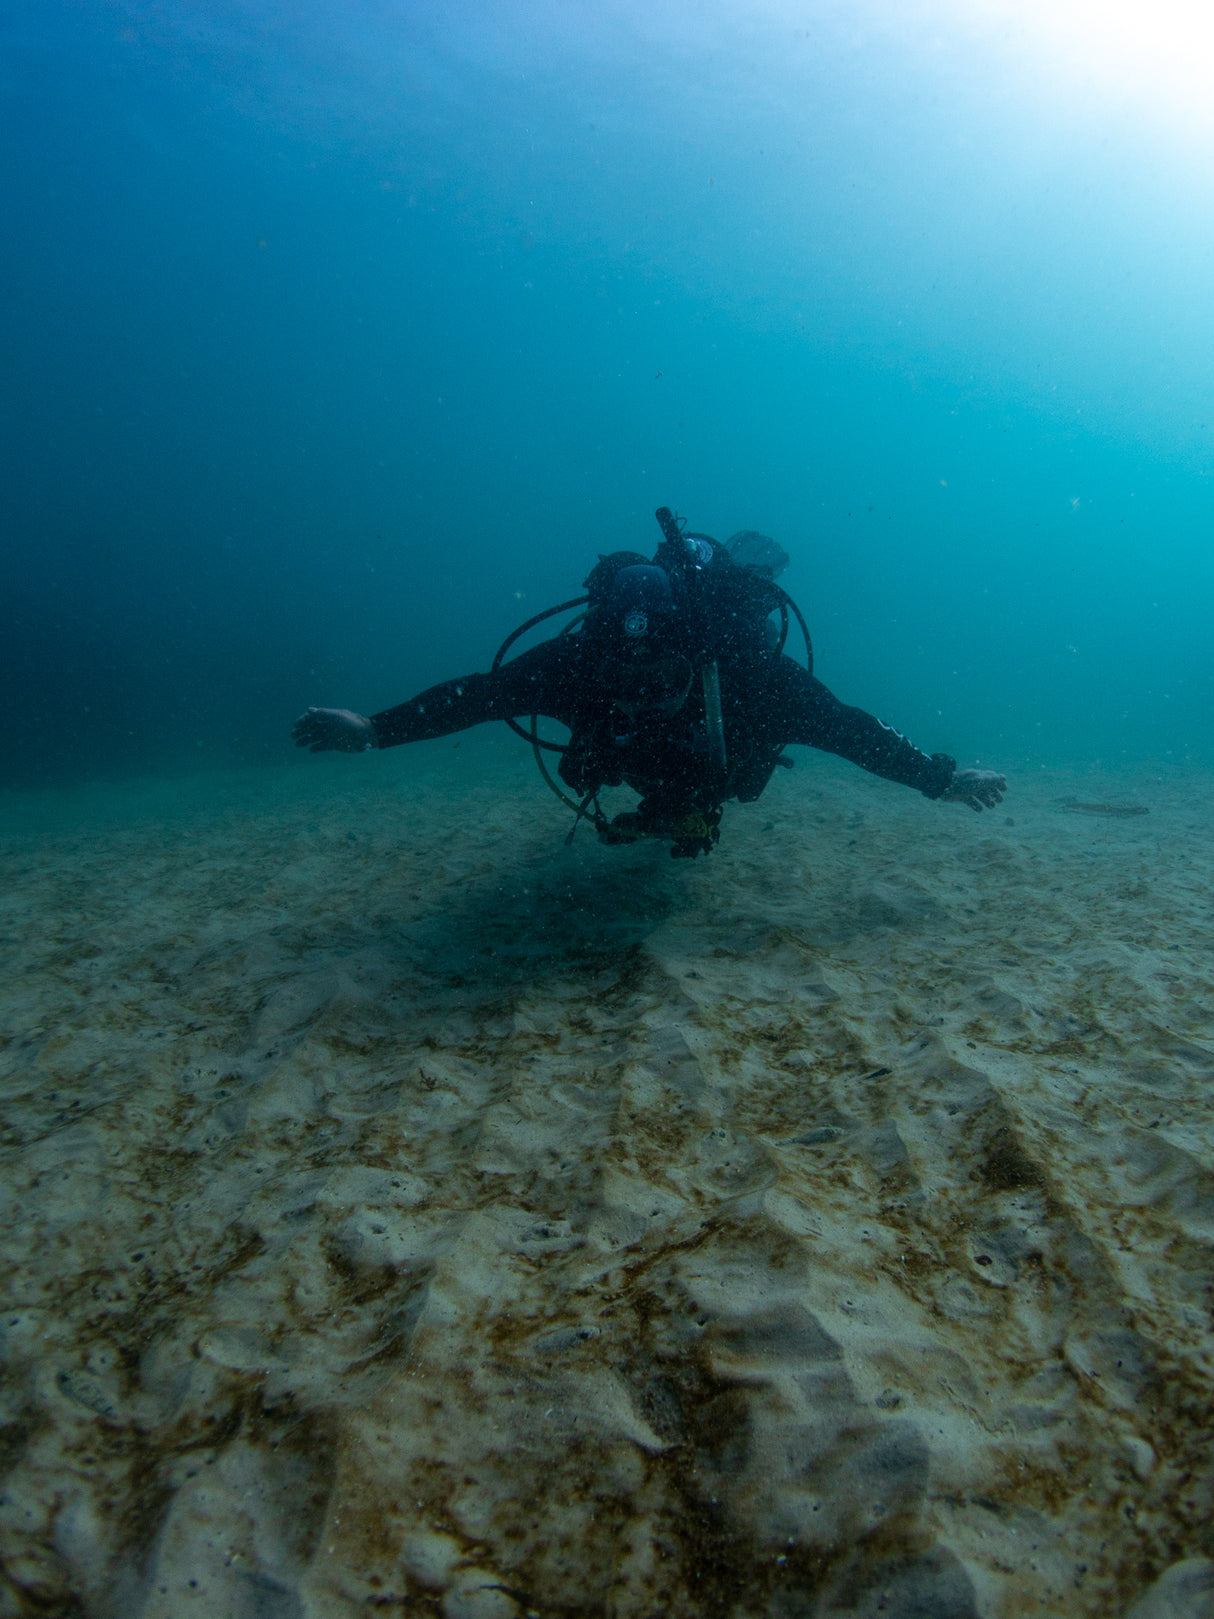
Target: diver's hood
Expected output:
[638,638]
[643,610]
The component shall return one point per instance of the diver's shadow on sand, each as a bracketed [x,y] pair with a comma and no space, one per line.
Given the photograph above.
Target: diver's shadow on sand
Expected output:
[575,912]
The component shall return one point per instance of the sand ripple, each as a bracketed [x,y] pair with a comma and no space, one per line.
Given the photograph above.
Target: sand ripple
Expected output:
[406,1215]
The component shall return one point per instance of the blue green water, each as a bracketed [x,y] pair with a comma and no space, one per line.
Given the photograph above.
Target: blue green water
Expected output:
[337,339]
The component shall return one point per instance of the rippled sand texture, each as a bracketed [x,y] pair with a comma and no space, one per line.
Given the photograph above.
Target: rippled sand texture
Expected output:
[406,1215]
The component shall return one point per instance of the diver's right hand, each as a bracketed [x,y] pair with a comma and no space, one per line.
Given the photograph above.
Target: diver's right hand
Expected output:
[328,730]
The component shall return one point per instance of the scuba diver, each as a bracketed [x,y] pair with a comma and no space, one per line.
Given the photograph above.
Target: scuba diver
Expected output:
[675,682]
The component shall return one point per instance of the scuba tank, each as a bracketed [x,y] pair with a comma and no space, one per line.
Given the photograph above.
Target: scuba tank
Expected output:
[685,556]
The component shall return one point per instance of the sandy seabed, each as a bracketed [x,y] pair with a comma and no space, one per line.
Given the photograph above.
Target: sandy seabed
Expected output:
[406,1214]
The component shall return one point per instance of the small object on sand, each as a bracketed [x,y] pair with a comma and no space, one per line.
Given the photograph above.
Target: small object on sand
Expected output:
[1104,809]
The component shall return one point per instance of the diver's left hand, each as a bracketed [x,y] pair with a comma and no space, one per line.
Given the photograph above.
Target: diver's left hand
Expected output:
[980,789]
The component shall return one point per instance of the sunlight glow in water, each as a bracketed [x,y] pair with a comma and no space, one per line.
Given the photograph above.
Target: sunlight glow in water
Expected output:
[1155,55]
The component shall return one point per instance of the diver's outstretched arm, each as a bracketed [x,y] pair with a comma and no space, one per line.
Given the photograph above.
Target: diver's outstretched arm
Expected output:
[801,709]
[329,730]
[542,680]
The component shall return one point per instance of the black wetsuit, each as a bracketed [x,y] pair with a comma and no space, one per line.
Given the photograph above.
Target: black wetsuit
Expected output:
[767,701]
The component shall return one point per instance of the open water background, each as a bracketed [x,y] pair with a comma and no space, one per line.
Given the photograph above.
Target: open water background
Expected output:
[335,340]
